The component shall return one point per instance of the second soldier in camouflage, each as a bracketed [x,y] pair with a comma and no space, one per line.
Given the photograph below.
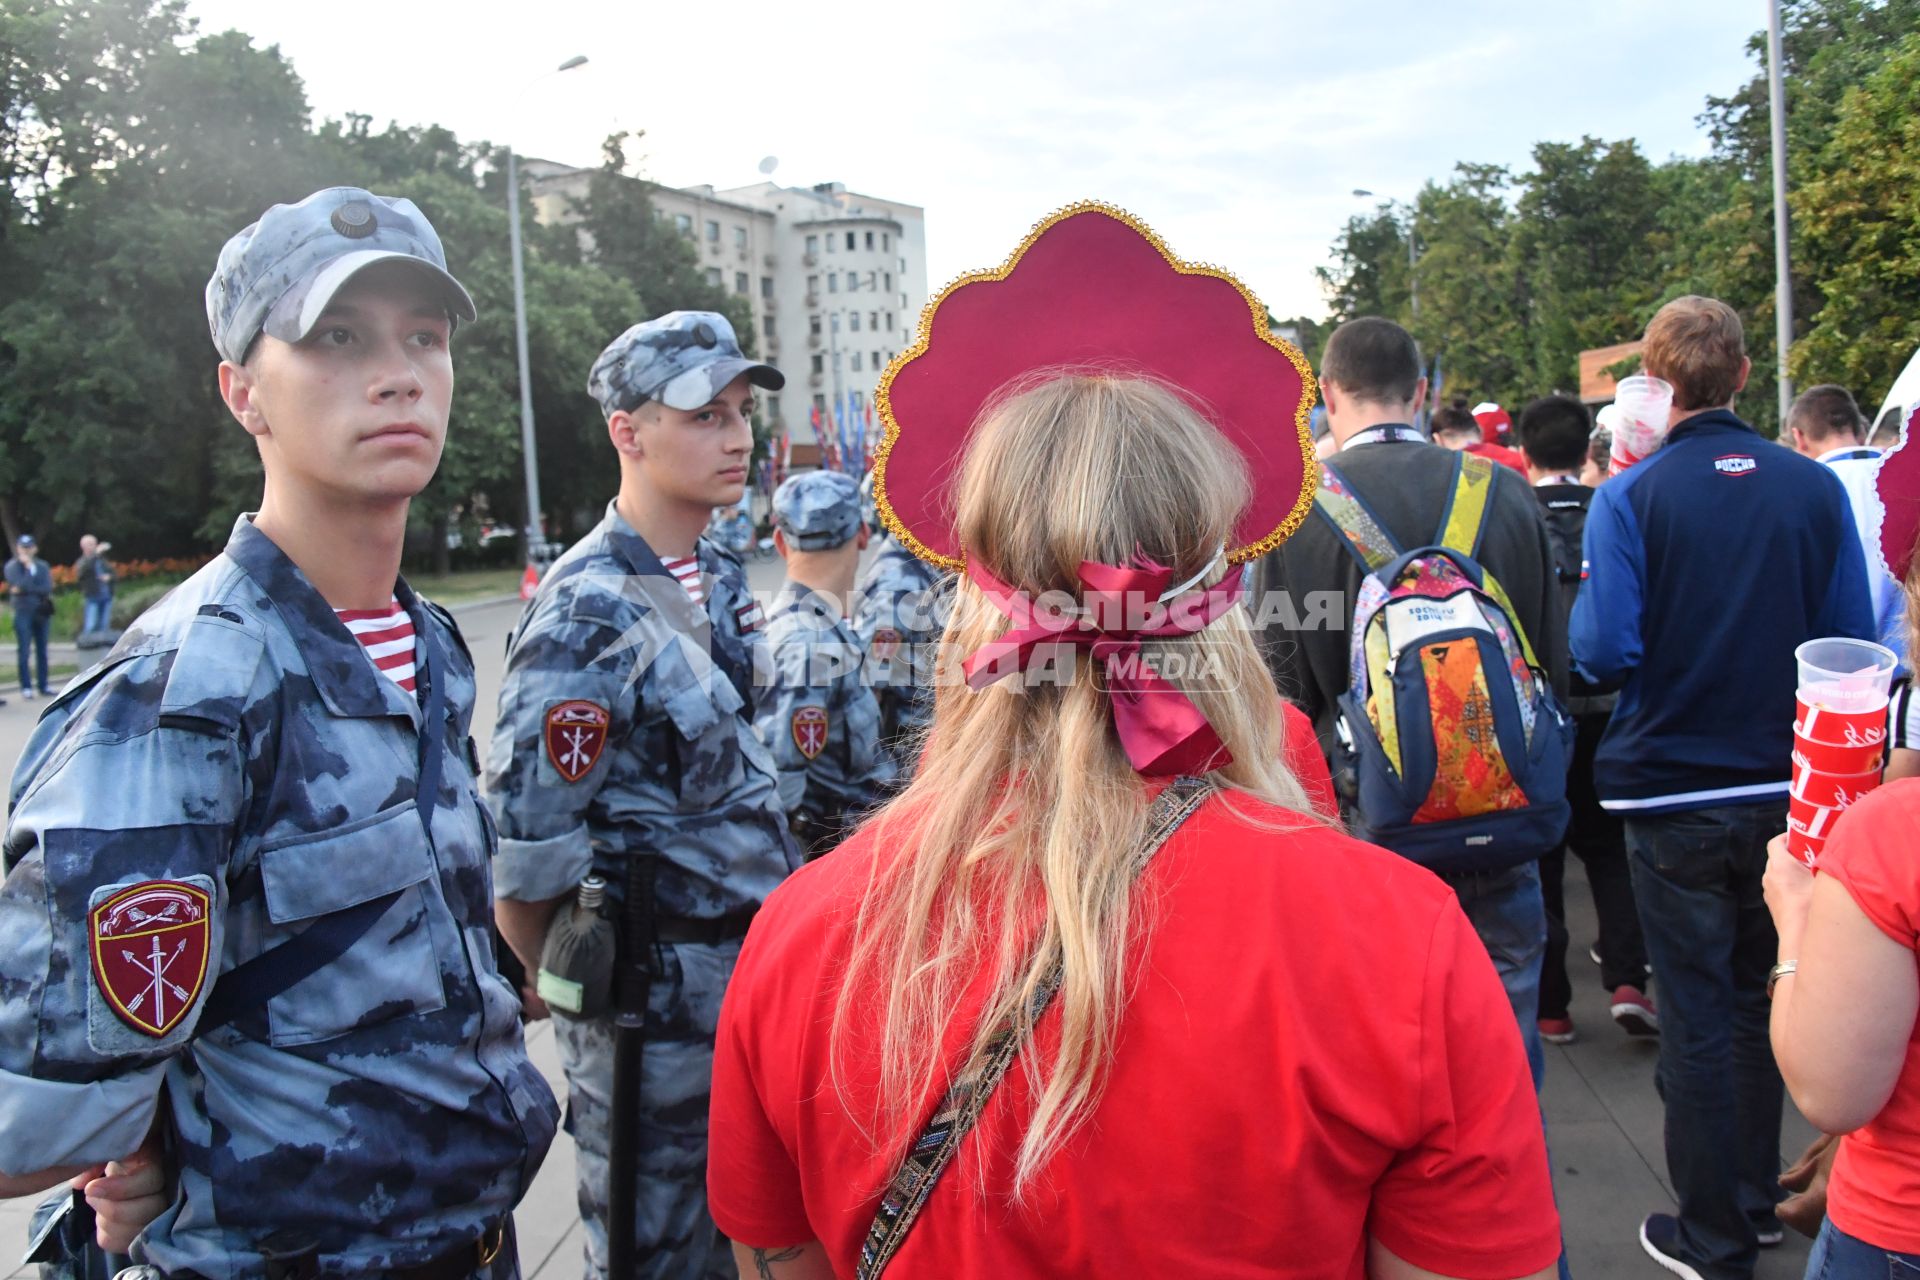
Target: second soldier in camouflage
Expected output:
[817,715]
[625,746]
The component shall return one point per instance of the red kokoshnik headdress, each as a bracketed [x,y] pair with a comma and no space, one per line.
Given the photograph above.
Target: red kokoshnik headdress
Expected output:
[1091,289]
[1896,489]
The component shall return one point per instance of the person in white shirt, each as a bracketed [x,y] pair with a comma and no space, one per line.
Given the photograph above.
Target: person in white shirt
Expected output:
[1826,425]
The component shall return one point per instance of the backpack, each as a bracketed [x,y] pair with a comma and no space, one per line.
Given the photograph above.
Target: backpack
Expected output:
[1456,741]
[1564,508]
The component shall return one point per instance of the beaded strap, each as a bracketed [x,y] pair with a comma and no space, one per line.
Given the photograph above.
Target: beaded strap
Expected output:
[934,1149]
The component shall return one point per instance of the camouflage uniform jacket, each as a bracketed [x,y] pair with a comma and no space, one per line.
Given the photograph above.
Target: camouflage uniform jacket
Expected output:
[901,610]
[817,714]
[626,726]
[234,774]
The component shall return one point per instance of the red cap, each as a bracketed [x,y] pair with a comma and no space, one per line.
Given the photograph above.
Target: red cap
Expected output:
[1495,424]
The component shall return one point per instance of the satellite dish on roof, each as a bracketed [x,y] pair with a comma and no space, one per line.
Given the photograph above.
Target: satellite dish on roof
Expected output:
[768,165]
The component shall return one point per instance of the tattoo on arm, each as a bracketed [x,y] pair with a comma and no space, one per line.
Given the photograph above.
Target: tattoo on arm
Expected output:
[763,1260]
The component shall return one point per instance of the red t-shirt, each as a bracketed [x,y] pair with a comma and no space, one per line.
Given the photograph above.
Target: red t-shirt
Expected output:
[1317,1049]
[1874,1194]
[1300,748]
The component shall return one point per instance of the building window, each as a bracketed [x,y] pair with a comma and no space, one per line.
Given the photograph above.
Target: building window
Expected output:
[766,286]
[766,325]
[713,277]
[854,322]
[903,266]
[819,401]
[740,282]
[856,362]
[833,282]
[836,362]
[889,276]
[889,322]
[773,408]
[859,400]
[853,282]
[869,239]
[813,325]
[813,284]
[819,364]
[683,223]
[830,240]
[739,237]
[834,323]
[850,245]
[886,243]
[873,321]
[713,230]
[813,244]
[903,302]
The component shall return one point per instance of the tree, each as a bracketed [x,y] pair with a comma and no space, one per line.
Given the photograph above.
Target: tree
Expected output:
[1855,222]
[1369,272]
[1583,241]
[1472,316]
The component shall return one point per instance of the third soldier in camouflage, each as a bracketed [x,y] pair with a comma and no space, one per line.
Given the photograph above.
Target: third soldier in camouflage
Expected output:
[819,717]
[625,747]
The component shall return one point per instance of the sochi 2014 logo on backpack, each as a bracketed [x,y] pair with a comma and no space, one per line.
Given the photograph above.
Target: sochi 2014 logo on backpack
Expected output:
[1734,464]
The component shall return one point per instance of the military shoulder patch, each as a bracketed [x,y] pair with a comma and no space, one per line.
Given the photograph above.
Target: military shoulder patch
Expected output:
[749,616]
[150,943]
[809,727]
[575,734]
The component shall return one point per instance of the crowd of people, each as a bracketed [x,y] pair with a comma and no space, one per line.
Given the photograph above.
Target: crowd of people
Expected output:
[1024,904]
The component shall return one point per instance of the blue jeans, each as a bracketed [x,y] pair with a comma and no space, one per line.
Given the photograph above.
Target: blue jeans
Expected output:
[31,632]
[96,615]
[1839,1256]
[1506,910]
[1696,879]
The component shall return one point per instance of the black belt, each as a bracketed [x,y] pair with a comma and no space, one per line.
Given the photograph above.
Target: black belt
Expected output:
[464,1262]
[297,1259]
[680,930]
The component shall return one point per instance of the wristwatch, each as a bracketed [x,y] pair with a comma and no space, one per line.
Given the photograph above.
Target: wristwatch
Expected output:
[1779,971]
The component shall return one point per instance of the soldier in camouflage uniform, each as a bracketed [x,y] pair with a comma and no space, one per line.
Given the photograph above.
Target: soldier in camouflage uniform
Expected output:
[901,609]
[625,746]
[817,714]
[247,894]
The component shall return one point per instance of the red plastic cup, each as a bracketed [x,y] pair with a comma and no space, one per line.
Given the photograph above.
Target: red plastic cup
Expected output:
[1832,790]
[1829,757]
[1846,728]
[1808,826]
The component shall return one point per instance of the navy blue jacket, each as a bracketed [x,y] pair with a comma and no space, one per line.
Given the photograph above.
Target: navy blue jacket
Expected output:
[1707,565]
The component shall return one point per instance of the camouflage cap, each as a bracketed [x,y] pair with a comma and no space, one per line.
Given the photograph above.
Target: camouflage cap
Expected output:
[817,510]
[683,359]
[279,274]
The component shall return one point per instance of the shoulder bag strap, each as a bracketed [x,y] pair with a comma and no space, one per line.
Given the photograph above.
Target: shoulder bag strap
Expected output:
[934,1149]
[1365,536]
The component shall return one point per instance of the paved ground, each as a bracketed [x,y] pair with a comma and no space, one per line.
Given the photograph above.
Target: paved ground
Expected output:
[1602,1114]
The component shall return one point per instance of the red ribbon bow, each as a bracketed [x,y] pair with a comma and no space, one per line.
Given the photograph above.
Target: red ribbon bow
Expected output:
[1163,732]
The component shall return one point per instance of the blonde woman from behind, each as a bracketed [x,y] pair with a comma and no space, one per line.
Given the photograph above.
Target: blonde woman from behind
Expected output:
[1274,1051]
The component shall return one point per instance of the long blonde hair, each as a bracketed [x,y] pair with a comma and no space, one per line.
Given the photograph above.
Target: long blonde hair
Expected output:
[1009,851]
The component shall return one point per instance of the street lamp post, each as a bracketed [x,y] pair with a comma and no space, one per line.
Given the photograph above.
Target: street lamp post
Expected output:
[536,541]
[1413,278]
[1782,266]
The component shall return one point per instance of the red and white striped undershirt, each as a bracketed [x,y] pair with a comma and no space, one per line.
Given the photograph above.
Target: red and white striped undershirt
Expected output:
[387,636]
[686,571]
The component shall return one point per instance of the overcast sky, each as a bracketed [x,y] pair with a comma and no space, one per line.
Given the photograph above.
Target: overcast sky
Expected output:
[1235,130]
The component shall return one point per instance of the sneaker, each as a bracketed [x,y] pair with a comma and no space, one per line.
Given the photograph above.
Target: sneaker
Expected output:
[1634,1012]
[1557,1030]
[1660,1237]
[45,692]
[1593,953]
[1770,1237]
[27,694]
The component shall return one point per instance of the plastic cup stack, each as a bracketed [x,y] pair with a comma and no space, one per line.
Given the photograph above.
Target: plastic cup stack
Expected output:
[1839,736]
[1641,405]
